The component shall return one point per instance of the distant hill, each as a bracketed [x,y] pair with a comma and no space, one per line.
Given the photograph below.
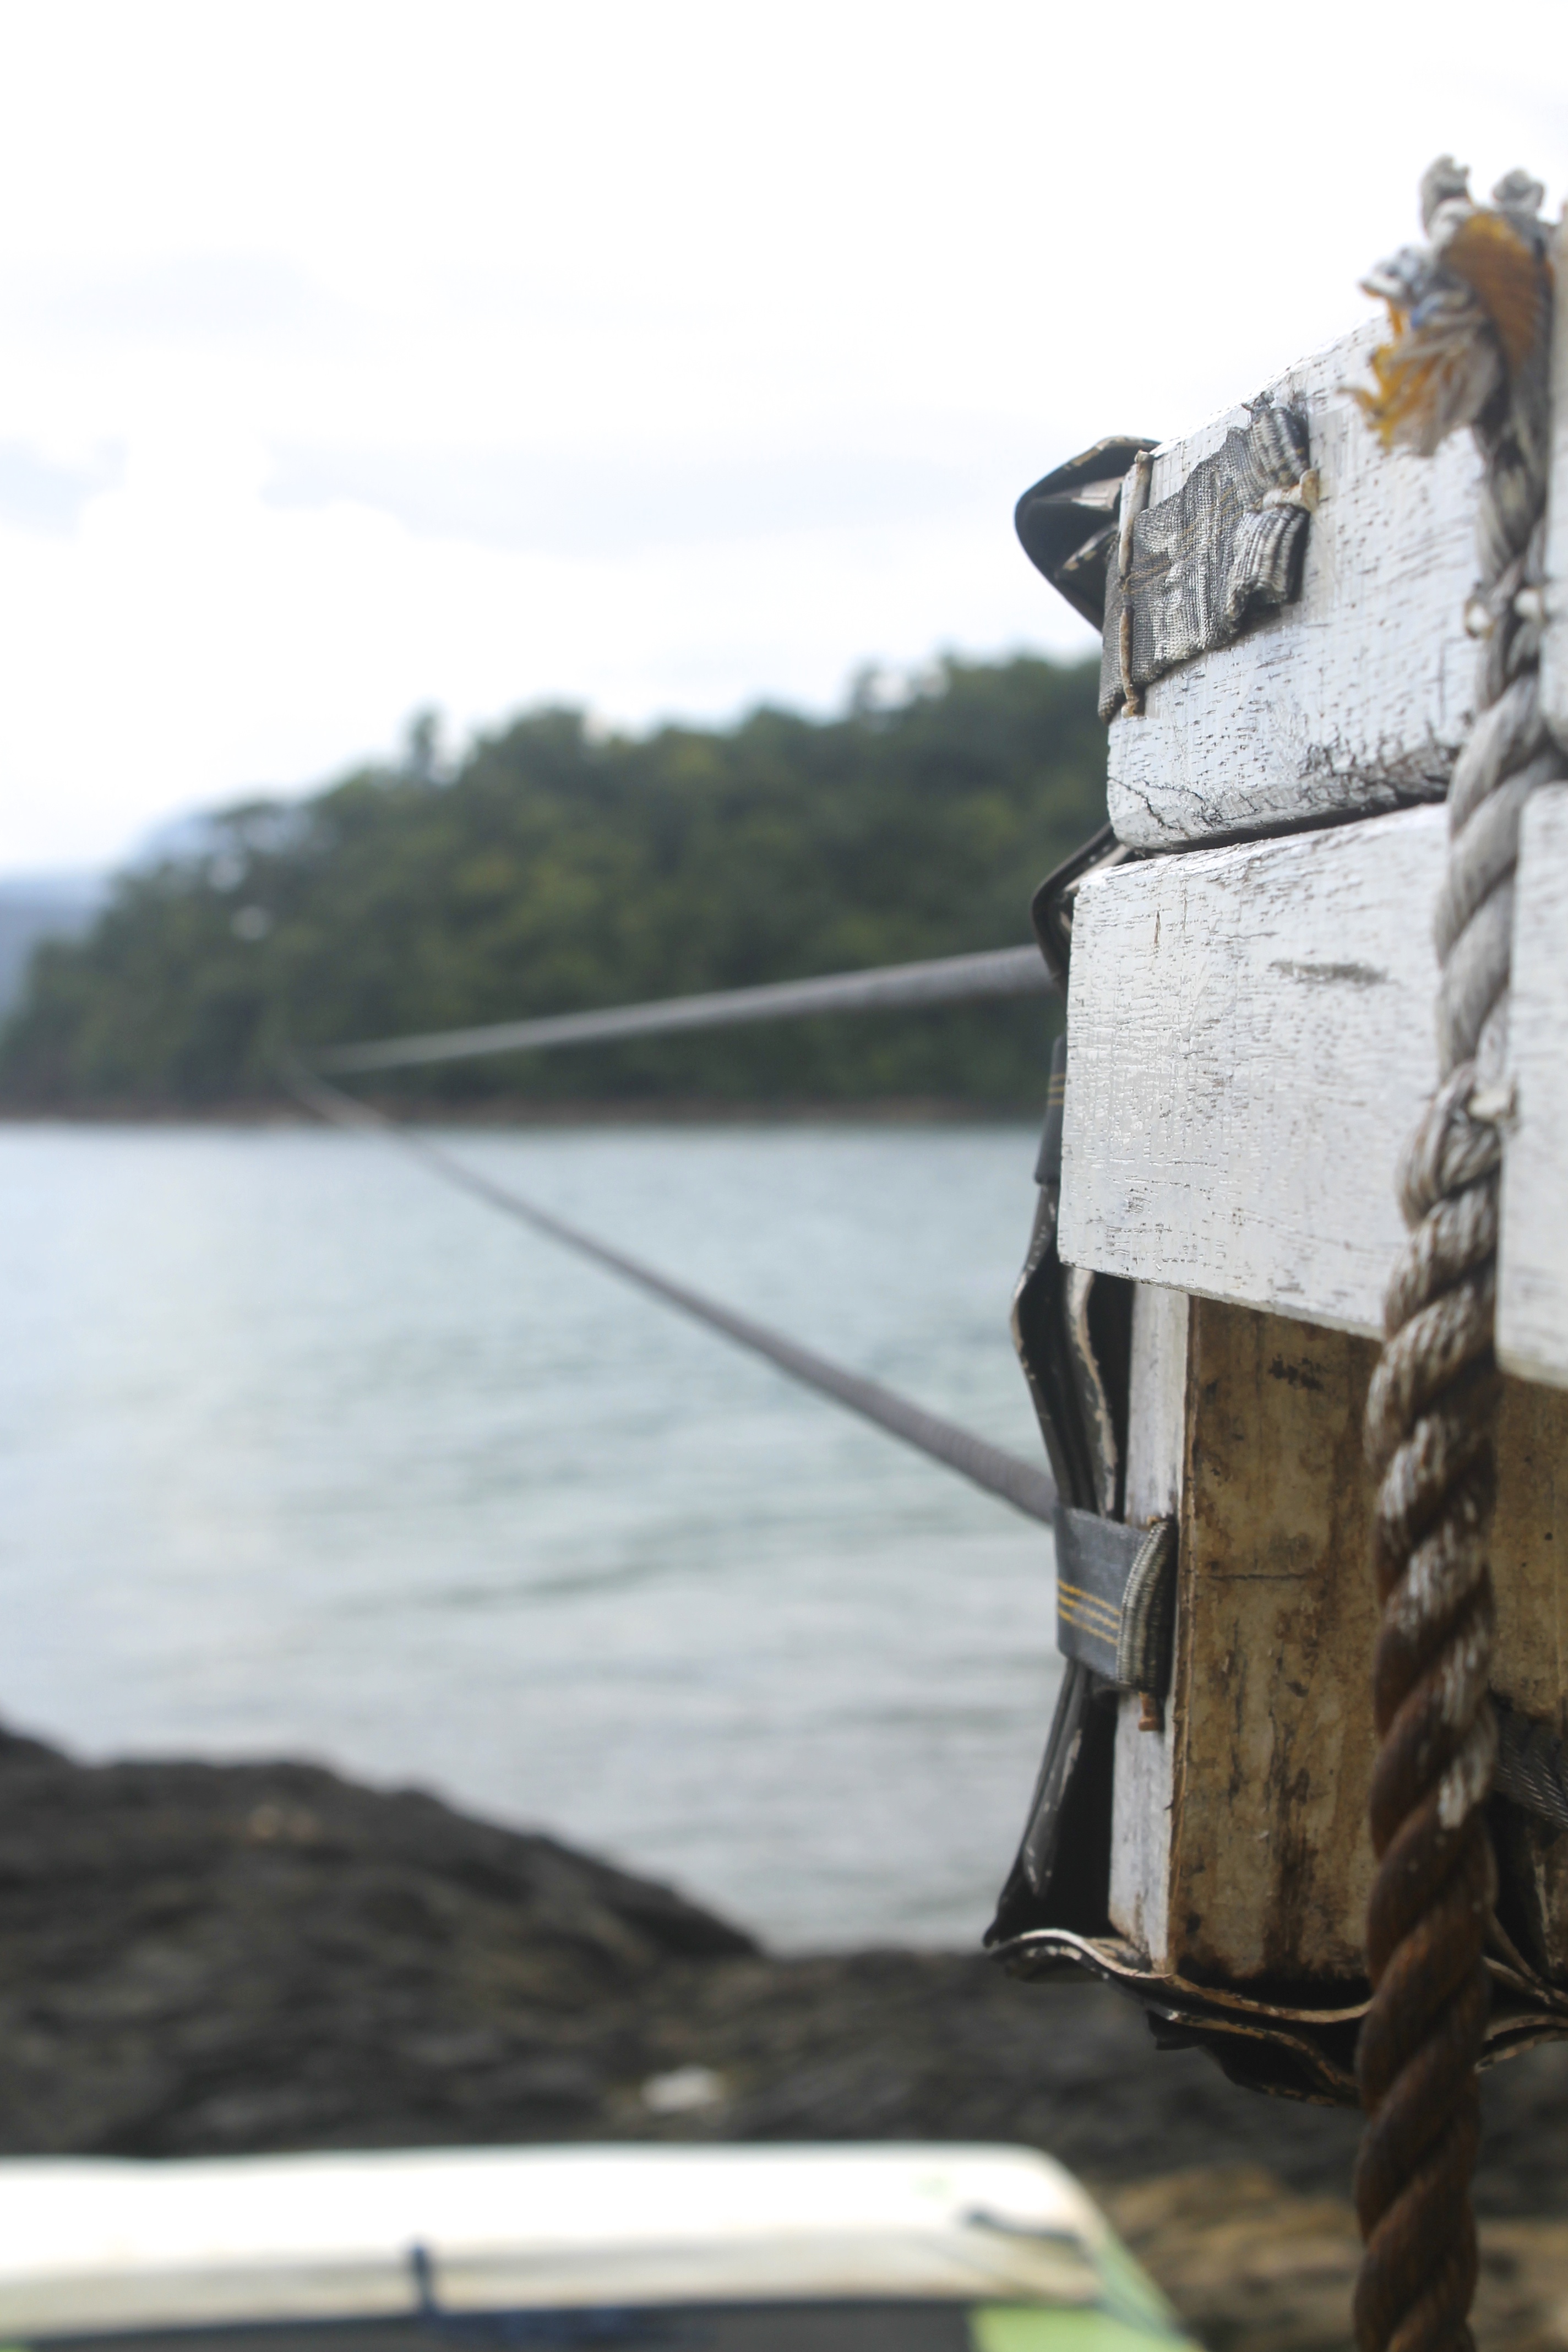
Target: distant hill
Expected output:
[560,868]
[34,908]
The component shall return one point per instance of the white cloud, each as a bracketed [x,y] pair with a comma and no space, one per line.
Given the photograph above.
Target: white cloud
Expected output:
[574,502]
[40,494]
[658,358]
[187,298]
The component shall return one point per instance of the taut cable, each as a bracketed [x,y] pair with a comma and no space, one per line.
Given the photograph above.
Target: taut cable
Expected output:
[888,988]
[1023,1484]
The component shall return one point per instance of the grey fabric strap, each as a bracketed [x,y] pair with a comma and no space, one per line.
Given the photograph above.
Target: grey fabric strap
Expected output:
[1115,1588]
[1531,1769]
[1191,569]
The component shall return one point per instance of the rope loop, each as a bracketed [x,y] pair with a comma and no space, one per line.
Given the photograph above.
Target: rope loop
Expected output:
[1450,1150]
[1471,315]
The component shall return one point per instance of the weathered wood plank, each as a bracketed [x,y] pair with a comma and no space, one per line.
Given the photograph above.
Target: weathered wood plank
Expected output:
[1140,1783]
[1252,1858]
[1250,1039]
[1270,1860]
[1532,1269]
[1555,645]
[1530,1577]
[1352,699]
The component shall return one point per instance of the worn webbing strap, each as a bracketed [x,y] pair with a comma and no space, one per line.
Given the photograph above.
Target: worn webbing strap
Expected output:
[1114,1597]
[1532,1771]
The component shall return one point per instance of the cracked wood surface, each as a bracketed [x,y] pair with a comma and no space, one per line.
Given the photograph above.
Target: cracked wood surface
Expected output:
[1254,1859]
[1270,1855]
[1532,1259]
[1554,642]
[1141,1781]
[1249,1041]
[1350,701]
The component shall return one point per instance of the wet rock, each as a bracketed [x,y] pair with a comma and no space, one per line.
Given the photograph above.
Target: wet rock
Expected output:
[202,1959]
[205,1957]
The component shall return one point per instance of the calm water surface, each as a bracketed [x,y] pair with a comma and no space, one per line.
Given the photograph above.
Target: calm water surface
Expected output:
[300,1451]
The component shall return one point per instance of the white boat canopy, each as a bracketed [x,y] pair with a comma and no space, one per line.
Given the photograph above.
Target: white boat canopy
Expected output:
[102,2244]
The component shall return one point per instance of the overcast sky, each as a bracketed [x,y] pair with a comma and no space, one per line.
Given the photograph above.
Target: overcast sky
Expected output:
[654,354]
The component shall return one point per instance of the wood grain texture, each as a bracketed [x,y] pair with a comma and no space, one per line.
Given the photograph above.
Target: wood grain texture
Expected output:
[1555,645]
[1530,1577]
[1141,1782]
[1532,1260]
[1250,1039]
[1271,1855]
[1252,1862]
[1354,699]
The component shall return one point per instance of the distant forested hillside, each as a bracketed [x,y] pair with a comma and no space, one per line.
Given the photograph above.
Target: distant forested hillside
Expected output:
[560,868]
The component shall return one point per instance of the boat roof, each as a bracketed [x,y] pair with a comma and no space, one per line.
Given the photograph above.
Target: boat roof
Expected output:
[99,2243]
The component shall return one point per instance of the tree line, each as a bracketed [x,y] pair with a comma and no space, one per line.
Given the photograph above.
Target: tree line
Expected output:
[562,866]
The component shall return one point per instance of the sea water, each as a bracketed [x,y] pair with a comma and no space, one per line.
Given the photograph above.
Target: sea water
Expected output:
[303,1453]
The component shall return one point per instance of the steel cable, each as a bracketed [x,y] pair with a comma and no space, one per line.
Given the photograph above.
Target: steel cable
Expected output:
[1023,1484]
[942,980]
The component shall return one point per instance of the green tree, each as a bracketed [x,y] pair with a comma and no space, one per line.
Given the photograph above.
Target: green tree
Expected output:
[558,868]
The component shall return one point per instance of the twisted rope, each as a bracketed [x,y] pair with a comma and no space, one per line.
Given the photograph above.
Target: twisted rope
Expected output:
[1470,314]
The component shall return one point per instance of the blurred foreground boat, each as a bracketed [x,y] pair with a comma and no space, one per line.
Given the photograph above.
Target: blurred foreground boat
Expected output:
[914,2249]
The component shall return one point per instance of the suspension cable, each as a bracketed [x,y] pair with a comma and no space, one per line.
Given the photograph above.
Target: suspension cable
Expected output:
[942,980]
[1023,1484]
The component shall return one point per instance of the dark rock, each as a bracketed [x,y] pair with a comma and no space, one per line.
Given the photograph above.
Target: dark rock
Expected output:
[202,1957]
[215,1958]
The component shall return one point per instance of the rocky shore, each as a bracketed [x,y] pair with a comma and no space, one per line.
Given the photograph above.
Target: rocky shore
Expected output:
[199,1959]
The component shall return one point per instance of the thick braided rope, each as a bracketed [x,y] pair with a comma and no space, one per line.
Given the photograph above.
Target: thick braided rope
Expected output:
[1432,1409]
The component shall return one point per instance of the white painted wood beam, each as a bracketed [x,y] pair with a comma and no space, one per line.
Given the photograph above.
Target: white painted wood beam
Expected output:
[1554,642]
[1251,1040]
[1142,1784]
[1532,1259]
[1353,699]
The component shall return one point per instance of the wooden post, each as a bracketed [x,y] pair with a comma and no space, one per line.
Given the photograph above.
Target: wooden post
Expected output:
[1240,1850]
